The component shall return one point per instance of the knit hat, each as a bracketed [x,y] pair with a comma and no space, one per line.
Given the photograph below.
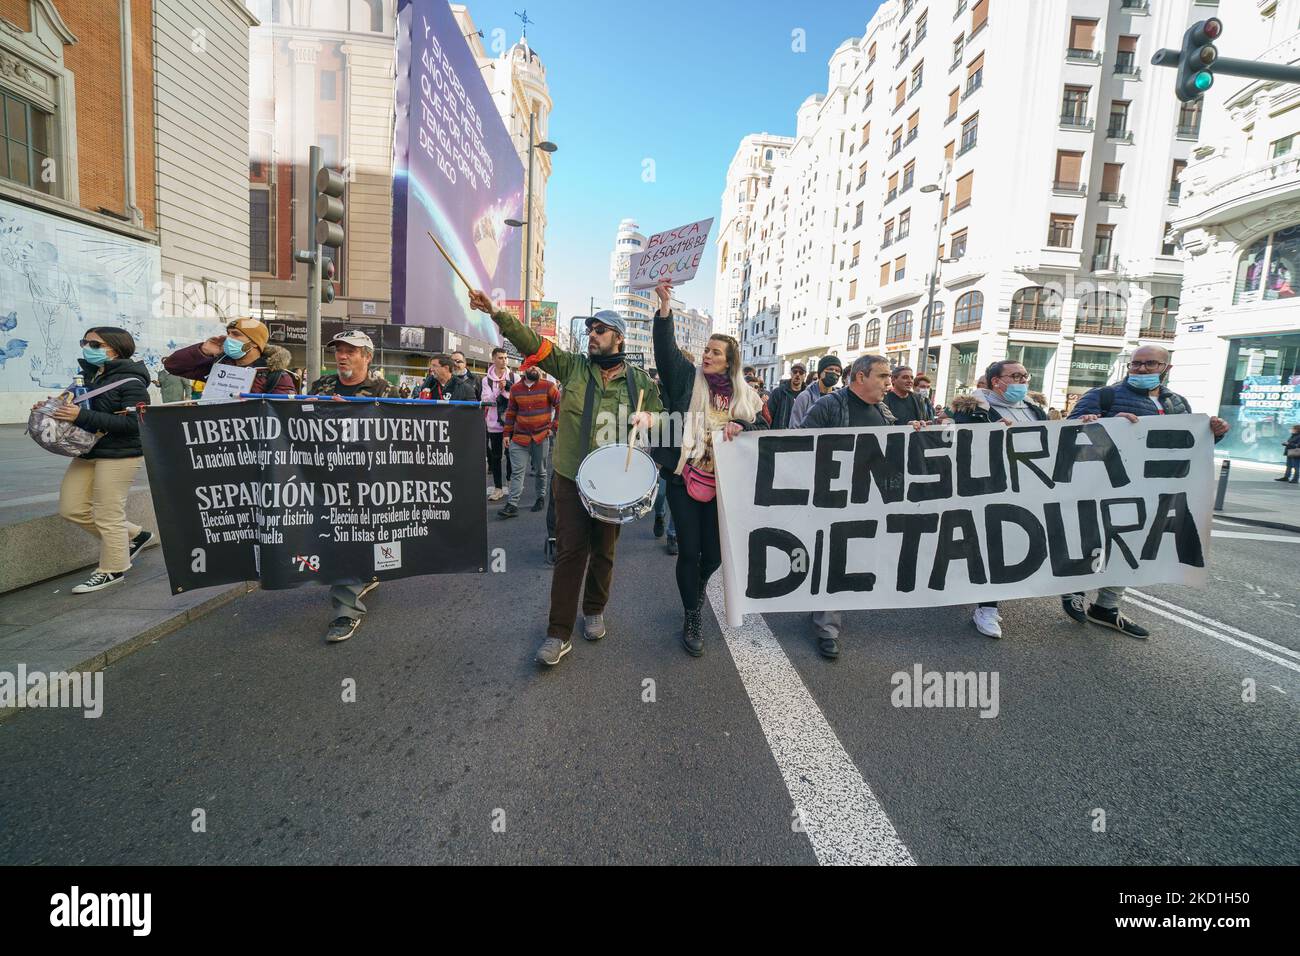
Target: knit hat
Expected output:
[257,332]
[826,362]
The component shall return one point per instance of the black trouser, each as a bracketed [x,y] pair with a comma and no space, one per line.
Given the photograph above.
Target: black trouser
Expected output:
[699,546]
[495,448]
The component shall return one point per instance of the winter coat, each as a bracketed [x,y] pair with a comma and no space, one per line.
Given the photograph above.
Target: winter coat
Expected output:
[492,389]
[456,390]
[812,393]
[190,362]
[374,387]
[976,408]
[113,413]
[1125,398]
[781,404]
[832,411]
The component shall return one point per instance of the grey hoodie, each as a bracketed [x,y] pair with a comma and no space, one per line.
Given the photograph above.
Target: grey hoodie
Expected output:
[1011,411]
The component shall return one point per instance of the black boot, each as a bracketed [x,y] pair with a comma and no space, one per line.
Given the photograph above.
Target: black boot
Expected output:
[692,639]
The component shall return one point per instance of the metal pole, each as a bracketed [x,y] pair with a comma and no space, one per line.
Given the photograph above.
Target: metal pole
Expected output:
[527,317]
[313,273]
[1255,70]
[1223,484]
[928,318]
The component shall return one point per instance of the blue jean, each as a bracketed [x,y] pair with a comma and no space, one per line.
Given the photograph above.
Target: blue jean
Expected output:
[661,506]
[520,456]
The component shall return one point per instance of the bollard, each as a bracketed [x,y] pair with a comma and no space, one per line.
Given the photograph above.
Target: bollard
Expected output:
[1223,484]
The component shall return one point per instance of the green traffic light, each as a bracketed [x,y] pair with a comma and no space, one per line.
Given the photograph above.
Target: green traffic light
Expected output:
[1203,81]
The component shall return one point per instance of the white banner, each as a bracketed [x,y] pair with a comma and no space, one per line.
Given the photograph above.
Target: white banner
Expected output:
[845,519]
[674,254]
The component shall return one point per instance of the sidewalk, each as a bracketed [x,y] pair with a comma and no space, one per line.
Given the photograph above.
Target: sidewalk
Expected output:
[1255,498]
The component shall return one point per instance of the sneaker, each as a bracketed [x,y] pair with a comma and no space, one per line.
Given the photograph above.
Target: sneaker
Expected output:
[829,647]
[672,544]
[988,621]
[1110,617]
[98,581]
[367,589]
[593,626]
[341,628]
[552,650]
[139,543]
[509,511]
[539,504]
[659,526]
[548,551]
[1281,479]
[1072,604]
[497,494]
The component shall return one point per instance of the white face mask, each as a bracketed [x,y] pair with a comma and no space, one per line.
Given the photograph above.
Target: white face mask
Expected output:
[923,392]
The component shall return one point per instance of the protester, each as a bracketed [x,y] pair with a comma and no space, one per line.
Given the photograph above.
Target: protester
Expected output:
[353,351]
[782,401]
[923,390]
[173,388]
[663,514]
[442,383]
[608,387]
[708,398]
[530,421]
[906,405]
[95,486]
[1141,393]
[460,368]
[828,376]
[1005,400]
[1291,451]
[757,385]
[243,344]
[495,393]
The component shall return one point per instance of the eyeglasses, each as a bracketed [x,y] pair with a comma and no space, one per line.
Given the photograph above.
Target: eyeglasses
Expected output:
[90,344]
[1018,377]
[1153,365]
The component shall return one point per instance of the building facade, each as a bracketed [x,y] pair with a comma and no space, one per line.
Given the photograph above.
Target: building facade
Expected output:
[122,187]
[636,307]
[1237,350]
[1041,209]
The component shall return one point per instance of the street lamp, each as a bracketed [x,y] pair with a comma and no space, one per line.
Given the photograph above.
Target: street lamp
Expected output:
[546,147]
[928,317]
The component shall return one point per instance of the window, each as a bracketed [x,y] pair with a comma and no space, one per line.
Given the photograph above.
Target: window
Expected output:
[975,75]
[893,188]
[866,133]
[1282,146]
[964,186]
[1118,125]
[949,150]
[1069,166]
[1168,245]
[1036,309]
[259,230]
[25,145]
[871,334]
[958,45]
[889,233]
[884,274]
[853,289]
[969,133]
[1102,243]
[921,25]
[1102,313]
[857,247]
[1074,106]
[896,145]
[903,49]
[898,327]
[1175,187]
[1082,38]
[1060,231]
[969,312]
[329,85]
[917,74]
[1110,177]
[979,15]
[1126,56]
[1250,271]
[857,220]
[959,244]
[1160,318]
[868,96]
[936,326]
[1189,119]
[871,59]
[904,223]
[862,175]
[909,176]
[900,94]
[912,122]
[851,343]
[900,267]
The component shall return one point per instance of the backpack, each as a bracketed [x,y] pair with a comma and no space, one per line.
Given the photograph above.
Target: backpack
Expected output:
[503,397]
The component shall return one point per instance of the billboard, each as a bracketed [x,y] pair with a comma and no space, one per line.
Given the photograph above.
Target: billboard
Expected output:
[455,174]
[544,315]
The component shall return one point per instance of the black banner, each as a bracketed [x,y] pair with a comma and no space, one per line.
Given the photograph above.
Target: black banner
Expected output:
[318,492]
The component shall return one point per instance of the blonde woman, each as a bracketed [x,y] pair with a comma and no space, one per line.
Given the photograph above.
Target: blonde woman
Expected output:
[712,396]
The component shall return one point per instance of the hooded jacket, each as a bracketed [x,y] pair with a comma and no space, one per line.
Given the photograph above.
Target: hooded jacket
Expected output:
[804,401]
[113,413]
[494,388]
[986,405]
[190,362]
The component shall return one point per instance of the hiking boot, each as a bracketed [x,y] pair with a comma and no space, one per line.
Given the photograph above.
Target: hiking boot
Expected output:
[552,650]
[1110,617]
[692,639]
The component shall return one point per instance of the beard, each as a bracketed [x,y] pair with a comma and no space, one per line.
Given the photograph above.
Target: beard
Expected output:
[594,348]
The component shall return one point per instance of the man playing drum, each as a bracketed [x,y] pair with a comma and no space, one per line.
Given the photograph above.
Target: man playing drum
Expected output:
[599,390]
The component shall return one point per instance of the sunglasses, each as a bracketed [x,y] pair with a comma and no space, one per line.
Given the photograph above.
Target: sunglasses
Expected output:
[91,344]
[599,329]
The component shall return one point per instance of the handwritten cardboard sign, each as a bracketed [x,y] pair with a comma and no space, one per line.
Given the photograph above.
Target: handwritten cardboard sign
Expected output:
[674,255]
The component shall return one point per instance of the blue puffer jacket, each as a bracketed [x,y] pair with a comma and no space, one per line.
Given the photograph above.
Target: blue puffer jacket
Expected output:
[1125,398]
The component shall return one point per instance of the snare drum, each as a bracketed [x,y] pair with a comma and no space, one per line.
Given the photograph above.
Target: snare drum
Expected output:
[614,491]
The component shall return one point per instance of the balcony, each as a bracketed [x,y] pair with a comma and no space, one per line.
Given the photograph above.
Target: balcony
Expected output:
[1069,189]
[1175,193]
[1100,326]
[1189,130]
[1119,134]
[956,63]
[1083,56]
[1104,262]
[1075,121]
[899,105]
[853,263]
[885,244]
[967,145]
[916,88]
[1135,6]
[951,117]
[1116,198]
[1126,65]
[898,148]
[1048,261]
[902,57]
[1244,193]
[961,8]
[1023,323]
[893,194]
[911,136]
[1151,332]
[904,232]
[973,84]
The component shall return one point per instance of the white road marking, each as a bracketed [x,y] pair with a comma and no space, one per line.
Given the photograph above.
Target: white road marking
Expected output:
[841,816]
[1255,537]
[1216,635]
[1218,625]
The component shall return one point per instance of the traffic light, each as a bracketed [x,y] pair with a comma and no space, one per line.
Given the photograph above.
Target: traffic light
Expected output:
[329,207]
[327,274]
[1196,59]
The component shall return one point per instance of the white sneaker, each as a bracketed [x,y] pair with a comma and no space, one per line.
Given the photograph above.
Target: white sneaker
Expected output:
[497,494]
[988,621]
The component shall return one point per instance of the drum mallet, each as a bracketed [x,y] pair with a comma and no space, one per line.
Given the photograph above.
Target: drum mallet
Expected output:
[640,401]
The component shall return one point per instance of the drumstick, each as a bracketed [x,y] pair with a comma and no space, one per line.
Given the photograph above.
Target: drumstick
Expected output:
[632,444]
[449,262]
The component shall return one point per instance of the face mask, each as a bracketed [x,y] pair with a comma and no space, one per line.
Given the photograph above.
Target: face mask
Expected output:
[923,392]
[234,349]
[95,356]
[1145,382]
[830,380]
[1016,392]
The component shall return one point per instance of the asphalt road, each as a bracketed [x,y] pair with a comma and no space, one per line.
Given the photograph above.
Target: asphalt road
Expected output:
[459,748]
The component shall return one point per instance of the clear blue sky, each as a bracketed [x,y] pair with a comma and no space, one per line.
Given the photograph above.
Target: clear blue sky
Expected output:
[732,72]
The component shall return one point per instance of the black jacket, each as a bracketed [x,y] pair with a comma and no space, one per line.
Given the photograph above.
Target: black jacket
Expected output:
[121,437]
[676,385]
[781,404]
[456,390]
[832,411]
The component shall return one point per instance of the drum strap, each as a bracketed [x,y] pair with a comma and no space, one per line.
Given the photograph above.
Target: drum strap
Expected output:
[589,403]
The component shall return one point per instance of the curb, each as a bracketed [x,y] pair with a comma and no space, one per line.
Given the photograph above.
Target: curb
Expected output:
[142,640]
[1259,522]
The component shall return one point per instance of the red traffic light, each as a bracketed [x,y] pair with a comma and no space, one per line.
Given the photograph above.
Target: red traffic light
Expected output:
[327,269]
[1212,28]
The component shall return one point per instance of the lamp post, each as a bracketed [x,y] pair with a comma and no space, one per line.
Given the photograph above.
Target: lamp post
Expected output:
[546,147]
[928,317]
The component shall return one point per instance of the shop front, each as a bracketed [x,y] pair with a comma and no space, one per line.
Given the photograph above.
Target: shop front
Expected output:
[1261,395]
[962,373]
[1035,359]
[1089,369]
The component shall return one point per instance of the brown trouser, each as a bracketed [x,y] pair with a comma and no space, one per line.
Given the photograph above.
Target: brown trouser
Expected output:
[93,496]
[584,548]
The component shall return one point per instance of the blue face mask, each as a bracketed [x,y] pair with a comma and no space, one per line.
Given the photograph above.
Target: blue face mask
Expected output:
[1144,383]
[234,348]
[1016,392]
[94,356]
